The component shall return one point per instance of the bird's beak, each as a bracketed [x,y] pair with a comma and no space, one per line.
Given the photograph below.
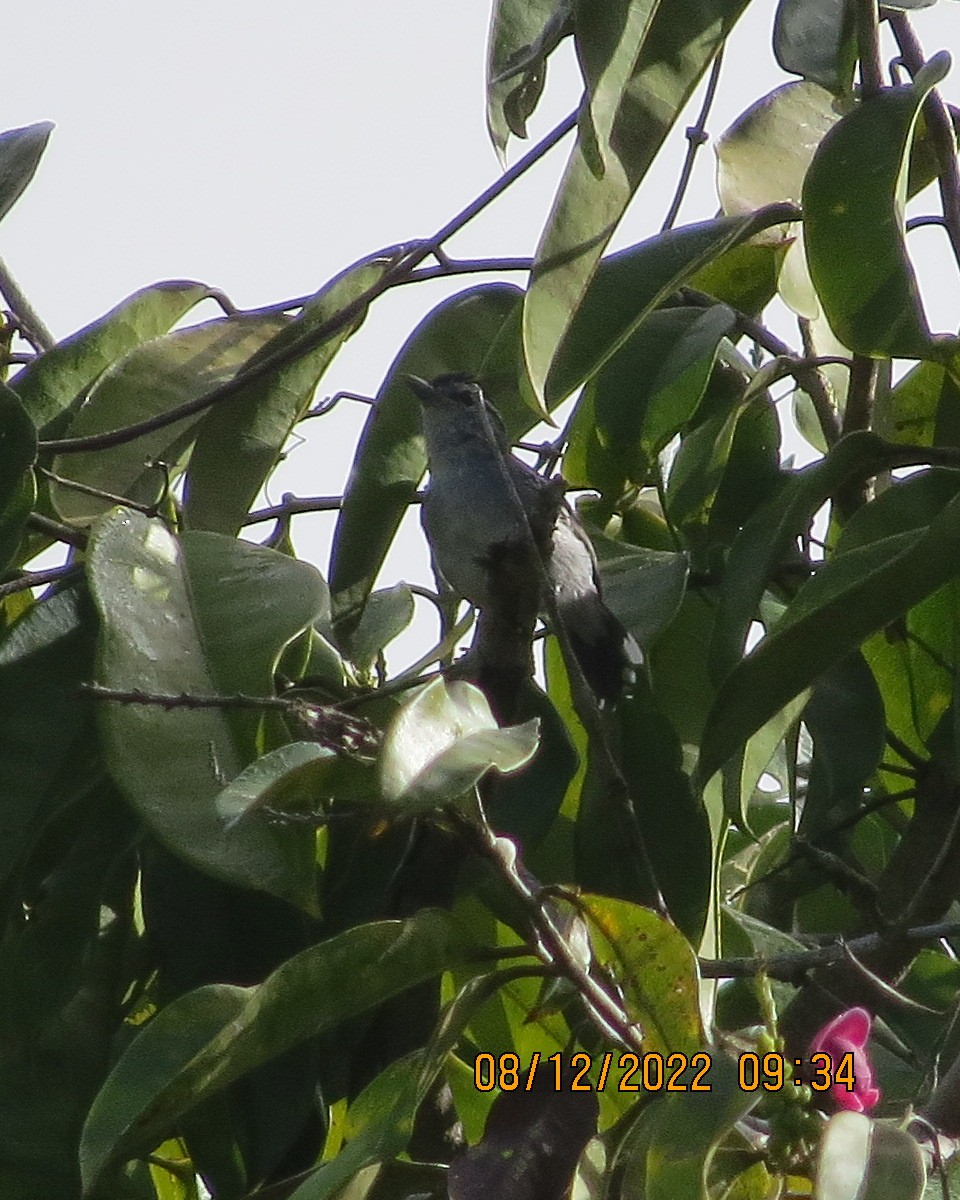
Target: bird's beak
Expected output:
[420,388]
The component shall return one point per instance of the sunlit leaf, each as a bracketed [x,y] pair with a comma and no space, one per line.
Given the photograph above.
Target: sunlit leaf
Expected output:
[444,741]
[58,380]
[20,154]
[639,75]
[240,440]
[654,966]
[853,201]
[171,764]
[149,381]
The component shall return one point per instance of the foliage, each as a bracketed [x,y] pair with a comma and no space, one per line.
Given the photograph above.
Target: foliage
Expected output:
[280,921]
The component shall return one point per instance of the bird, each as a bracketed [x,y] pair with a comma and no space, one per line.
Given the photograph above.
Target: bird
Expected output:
[482,497]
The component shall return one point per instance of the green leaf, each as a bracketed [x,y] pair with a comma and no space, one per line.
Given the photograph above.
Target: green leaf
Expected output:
[20,154]
[386,615]
[630,284]
[846,719]
[853,201]
[284,780]
[171,764]
[60,378]
[391,457]
[672,821]
[444,741]
[641,67]
[764,155]
[655,968]
[650,388]
[211,1037]
[149,381]
[46,722]
[744,277]
[239,441]
[849,598]
[249,602]
[815,39]
[685,1132]
[523,34]
[768,537]
[18,452]
[644,588]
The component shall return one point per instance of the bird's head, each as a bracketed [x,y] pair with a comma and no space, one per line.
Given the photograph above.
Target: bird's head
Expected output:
[452,391]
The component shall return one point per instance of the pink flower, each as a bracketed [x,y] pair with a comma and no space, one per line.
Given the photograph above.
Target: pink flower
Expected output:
[847,1035]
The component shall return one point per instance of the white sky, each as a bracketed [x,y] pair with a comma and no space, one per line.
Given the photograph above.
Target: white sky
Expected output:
[262,148]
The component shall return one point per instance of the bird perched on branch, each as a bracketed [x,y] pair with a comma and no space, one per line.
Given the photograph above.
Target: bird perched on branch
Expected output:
[482,499]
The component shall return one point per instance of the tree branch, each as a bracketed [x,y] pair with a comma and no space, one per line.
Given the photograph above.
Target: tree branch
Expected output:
[406,258]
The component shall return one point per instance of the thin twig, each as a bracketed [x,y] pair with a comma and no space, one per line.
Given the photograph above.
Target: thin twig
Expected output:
[32,579]
[27,318]
[696,137]
[554,947]
[57,530]
[405,259]
[74,485]
[940,126]
[469,266]
[293,505]
[788,966]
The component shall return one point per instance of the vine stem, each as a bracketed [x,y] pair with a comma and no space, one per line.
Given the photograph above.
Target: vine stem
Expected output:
[696,137]
[405,259]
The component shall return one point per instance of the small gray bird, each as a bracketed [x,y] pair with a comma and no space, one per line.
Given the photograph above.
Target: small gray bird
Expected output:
[470,509]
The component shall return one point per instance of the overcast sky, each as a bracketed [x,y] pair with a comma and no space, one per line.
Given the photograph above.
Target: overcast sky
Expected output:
[262,148]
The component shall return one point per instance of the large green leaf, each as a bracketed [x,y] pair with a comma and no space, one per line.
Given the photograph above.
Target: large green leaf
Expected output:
[849,598]
[64,972]
[853,202]
[171,764]
[670,817]
[59,379]
[211,1037]
[391,457]
[523,34]
[641,62]
[147,382]
[20,153]
[630,284]
[239,440]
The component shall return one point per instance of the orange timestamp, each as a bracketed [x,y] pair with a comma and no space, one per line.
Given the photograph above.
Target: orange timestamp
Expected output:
[655,1072]
[627,1072]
